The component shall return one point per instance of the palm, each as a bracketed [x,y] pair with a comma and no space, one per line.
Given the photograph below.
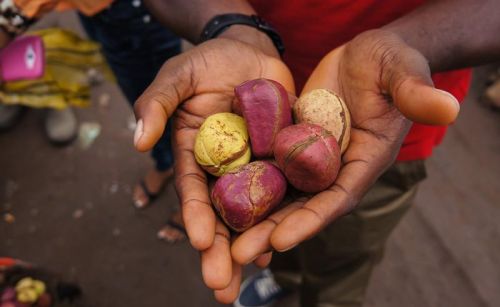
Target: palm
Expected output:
[195,85]
[212,91]
[367,82]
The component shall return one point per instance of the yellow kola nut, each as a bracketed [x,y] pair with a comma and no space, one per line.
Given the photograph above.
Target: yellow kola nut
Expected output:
[222,143]
[326,109]
[27,295]
[26,282]
[29,290]
[39,287]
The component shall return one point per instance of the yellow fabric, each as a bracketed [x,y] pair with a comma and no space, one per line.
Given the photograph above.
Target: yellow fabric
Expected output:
[36,8]
[65,82]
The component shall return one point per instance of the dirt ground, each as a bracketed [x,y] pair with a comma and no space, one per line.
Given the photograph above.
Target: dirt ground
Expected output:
[73,214]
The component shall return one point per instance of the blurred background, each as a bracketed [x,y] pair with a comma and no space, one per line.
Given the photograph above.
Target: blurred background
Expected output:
[69,210]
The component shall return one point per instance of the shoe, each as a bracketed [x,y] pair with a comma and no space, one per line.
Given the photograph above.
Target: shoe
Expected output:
[259,290]
[60,126]
[10,115]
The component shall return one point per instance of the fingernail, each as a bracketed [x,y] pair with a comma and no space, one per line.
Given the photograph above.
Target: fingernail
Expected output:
[457,105]
[287,248]
[138,132]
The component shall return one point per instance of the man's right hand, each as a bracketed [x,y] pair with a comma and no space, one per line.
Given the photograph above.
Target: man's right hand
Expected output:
[194,85]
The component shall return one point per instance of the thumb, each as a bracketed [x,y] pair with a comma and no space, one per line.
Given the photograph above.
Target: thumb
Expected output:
[422,103]
[407,77]
[171,86]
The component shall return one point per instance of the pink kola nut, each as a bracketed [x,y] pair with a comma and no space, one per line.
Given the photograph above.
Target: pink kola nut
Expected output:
[246,195]
[308,155]
[8,294]
[265,107]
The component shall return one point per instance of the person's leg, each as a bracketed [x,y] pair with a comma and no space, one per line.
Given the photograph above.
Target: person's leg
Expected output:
[335,266]
[136,46]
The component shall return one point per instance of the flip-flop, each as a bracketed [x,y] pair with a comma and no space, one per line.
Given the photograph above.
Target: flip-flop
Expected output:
[176,226]
[150,196]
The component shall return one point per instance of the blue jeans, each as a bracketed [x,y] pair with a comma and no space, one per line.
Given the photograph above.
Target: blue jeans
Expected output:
[135,46]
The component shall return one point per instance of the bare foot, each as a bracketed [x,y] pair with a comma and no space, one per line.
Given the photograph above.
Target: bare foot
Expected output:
[153,184]
[173,231]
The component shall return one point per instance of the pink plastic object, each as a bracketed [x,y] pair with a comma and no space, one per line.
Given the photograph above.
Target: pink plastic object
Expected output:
[22,59]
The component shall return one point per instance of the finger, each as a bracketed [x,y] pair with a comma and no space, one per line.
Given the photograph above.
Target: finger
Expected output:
[191,186]
[279,72]
[264,260]
[230,293]
[216,263]
[155,106]
[253,242]
[352,182]
[292,99]
[256,240]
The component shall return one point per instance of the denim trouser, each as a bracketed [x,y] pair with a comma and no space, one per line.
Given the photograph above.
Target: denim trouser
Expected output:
[135,46]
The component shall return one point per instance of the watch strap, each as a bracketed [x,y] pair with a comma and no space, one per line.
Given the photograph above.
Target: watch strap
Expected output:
[220,23]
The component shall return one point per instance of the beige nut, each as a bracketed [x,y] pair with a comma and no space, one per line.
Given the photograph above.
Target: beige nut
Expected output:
[326,109]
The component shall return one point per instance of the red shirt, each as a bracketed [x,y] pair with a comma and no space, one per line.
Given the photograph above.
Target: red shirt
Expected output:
[312,28]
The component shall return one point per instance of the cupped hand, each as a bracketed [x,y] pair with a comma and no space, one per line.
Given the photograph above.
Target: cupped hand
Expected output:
[386,85]
[194,85]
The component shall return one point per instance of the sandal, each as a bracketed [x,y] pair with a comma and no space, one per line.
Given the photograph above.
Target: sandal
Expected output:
[148,197]
[172,225]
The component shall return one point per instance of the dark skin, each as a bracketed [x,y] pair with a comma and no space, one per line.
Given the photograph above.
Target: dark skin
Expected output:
[384,78]
[202,97]
[452,34]
[188,18]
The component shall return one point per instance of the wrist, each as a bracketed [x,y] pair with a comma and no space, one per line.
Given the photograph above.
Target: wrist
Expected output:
[251,36]
[250,29]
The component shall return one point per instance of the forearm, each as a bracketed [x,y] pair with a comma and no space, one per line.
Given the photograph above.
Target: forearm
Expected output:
[453,33]
[188,18]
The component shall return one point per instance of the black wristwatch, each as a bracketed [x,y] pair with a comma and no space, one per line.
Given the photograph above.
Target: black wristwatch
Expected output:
[220,23]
